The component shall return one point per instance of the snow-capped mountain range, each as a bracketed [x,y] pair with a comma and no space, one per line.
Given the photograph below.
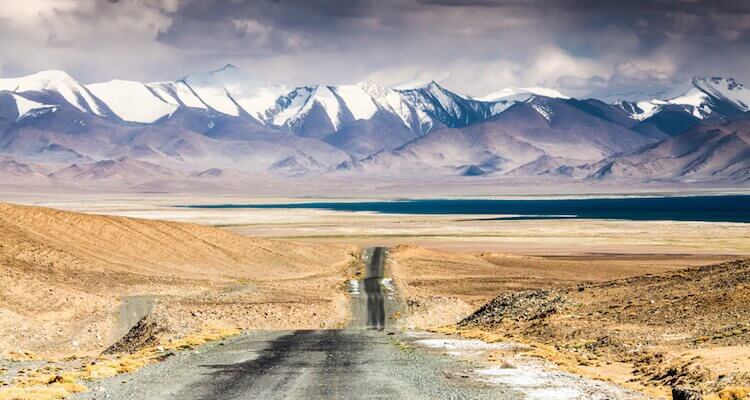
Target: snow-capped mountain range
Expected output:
[225,124]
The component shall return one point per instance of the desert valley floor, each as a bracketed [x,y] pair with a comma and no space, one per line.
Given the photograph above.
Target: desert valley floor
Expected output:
[668,299]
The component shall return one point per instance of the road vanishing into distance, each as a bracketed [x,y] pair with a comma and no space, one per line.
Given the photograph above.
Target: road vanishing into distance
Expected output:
[368,360]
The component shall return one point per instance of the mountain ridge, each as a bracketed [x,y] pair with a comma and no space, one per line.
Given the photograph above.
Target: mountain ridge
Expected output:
[225,120]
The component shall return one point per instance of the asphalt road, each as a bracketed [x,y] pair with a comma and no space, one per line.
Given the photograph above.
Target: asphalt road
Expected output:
[373,289]
[366,361]
[372,301]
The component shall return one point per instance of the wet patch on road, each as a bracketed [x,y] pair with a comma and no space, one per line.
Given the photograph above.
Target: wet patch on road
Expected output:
[373,298]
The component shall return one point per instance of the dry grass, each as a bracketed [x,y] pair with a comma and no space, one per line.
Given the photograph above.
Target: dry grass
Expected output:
[472,333]
[569,362]
[201,338]
[54,391]
[47,384]
[731,393]
[21,356]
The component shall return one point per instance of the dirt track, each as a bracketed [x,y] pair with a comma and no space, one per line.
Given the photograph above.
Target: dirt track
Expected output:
[371,361]
[362,362]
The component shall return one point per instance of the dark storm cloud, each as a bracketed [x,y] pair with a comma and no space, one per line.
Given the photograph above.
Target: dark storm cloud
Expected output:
[259,27]
[475,46]
[609,7]
[652,19]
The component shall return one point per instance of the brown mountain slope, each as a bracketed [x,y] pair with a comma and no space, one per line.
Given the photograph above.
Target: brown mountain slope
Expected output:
[64,276]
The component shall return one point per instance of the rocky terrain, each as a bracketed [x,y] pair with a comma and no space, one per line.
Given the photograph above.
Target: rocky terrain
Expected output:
[442,287]
[649,322]
[686,328]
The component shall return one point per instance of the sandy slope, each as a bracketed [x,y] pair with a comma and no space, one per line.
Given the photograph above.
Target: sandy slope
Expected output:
[441,287]
[63,276]
[659,320]
[686,327]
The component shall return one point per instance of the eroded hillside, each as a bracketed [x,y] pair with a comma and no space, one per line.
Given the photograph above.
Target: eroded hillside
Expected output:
[64,277]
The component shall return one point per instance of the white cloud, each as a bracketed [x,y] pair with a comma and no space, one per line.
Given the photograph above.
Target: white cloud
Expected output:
[85,37]
[254,30]
[552,63]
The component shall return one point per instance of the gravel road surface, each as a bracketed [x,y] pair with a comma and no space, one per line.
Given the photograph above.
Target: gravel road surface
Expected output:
[367,361]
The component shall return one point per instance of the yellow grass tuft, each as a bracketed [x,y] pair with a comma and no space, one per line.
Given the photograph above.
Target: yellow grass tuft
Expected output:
[471,333]
[567,361]
[43,385]
[21,356]
[52,391]
[735,393]
[200,338]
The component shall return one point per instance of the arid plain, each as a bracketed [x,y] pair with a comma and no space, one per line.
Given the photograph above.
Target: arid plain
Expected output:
[445,268]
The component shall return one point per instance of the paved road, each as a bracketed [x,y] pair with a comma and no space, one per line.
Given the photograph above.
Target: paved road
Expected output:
[373,289]
[366,361]
[373,300]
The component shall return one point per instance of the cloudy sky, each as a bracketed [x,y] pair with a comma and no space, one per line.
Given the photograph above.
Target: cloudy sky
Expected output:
[583,47]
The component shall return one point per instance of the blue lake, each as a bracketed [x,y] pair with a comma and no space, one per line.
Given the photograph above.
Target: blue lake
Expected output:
[728,208]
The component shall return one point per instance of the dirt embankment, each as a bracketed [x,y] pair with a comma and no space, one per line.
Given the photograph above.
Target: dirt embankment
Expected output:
[441,287]
[64,276]
[642,320]
[683,328]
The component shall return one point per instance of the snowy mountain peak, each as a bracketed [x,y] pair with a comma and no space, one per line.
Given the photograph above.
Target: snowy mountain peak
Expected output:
[224,76]
[375,90]
[717,81]
[228,67]
[435,88]
[700,101]
[726,89]
[357,99]
[227,72]
[133,101]
[503,99]
[327,99]
[431,87]
[42,80]
[229,119]
[366,85]
[56,82]
[232,91]
[416,85]
[515,92]
[211,87]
